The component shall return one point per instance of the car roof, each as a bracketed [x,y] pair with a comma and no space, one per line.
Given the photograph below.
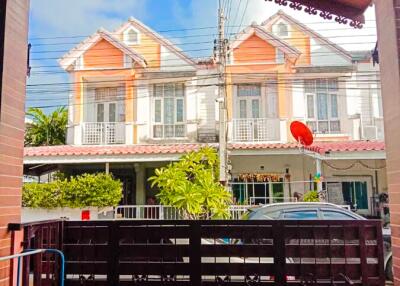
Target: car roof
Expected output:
[302,205]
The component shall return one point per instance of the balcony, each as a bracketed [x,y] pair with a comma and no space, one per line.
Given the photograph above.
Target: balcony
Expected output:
[103,133]
[256,129]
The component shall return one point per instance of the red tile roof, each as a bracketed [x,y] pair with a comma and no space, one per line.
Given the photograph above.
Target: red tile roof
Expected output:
[68,150]
[347,146]
[318,147]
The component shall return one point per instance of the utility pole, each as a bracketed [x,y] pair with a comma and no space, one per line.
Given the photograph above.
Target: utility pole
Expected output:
[222,96]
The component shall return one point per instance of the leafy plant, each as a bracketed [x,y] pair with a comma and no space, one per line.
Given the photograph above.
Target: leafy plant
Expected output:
[191,185]
[98,190]
[46,129]
[311,196]
[88,190]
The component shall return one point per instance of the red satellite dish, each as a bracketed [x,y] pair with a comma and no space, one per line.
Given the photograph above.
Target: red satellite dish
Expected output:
[301,133]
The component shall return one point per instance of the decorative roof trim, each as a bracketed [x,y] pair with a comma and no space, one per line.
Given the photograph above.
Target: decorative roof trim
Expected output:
[280,14]
[268,37]
[163,41]
[327,10]
[69,58]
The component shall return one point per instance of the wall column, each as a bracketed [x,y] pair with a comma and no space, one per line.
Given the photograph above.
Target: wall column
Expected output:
[389,35]
[140,184]
[13,70]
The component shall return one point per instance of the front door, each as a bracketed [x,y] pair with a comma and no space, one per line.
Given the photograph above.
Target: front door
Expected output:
[106,116]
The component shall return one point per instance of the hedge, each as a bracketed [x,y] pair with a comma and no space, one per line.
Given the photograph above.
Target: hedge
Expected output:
[88,190]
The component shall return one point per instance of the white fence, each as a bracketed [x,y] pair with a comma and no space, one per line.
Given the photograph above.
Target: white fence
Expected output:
[145,212]
[99,133]
[255,129]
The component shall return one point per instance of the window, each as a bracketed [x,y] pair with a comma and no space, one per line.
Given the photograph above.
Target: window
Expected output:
[322,105]
[131,36]
[169,115]
[301,215]
[282,30]
[334,215]
[249,90]
[110,104]
[280,57]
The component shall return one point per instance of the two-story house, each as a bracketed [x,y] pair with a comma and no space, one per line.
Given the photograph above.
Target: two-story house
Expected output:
[139,102]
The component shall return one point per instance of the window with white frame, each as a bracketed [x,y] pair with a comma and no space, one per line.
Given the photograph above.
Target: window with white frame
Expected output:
[131,36]
[249,100]
[282,30]
[322,105]
[169,110]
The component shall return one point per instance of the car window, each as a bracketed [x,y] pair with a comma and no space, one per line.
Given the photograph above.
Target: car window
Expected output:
[273,215]
[301,215]
[336,215]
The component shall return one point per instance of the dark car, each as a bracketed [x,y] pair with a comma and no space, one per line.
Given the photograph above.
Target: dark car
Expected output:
[317,211]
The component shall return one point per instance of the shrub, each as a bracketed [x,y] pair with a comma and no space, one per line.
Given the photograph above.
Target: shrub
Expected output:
[191,185]
[36,195]
[97,190]
[311,196]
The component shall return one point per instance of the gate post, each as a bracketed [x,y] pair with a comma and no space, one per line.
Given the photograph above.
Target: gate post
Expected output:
[279,255]
[113,254]
[195,253]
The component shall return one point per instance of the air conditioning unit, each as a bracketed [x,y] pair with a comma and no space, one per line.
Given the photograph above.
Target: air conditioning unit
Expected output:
[370,132]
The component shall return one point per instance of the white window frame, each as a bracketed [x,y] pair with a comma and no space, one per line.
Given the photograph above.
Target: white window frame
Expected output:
[162,123]
[330,119]
[276,30]
[126,36]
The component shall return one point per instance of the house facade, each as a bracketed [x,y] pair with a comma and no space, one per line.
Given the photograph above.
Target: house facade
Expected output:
[139,102]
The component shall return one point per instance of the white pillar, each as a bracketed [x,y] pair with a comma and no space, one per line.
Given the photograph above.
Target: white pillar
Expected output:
[140,184]
[107,168]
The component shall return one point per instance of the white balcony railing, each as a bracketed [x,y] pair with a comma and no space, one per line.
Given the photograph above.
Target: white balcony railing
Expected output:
[255,129]
[103,133]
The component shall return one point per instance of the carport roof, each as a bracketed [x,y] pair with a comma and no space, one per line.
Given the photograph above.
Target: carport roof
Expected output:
[166,152]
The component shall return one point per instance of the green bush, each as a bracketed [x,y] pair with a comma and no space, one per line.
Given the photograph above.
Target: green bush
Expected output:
[36,195]
[191,185]
[88,190]
[311,196]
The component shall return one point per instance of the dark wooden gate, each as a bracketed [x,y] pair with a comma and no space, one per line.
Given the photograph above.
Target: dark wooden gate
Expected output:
[223,253]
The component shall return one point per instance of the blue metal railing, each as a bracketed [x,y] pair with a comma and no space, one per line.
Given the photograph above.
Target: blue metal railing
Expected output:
[29,252]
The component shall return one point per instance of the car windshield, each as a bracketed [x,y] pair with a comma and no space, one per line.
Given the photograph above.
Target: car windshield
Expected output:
[301,215]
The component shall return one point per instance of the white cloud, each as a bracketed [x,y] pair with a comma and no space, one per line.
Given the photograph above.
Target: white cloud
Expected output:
[81,17]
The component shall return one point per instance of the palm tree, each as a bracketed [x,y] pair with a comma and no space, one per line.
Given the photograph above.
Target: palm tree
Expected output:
[46,129]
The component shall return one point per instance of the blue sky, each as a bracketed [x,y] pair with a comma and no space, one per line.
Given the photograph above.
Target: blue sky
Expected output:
[58,25]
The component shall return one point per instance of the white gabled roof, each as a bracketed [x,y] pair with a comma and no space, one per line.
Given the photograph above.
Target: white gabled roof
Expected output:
[267,36]
[69,58]
[160,39]
[282,15]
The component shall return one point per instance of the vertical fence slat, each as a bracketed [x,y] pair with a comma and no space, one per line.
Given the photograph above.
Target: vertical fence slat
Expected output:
[279,257]
[195,253]
[113,254]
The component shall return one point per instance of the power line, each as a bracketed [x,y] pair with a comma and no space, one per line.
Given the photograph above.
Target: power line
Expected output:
[241,21]
[196,28]
[248,75]
[207,49]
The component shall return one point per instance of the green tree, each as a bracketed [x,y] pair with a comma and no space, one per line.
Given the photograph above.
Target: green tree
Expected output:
[46,129]
[191,185]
